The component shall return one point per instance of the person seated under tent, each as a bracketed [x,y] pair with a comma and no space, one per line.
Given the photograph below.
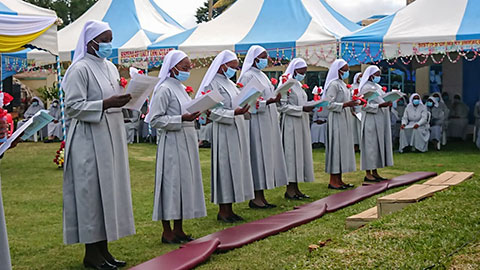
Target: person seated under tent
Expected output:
[415,128]
[437,118]
[55,127]
[476,130]
[458,121]
[318,128]
[131,118]
[35,106]
[397,111]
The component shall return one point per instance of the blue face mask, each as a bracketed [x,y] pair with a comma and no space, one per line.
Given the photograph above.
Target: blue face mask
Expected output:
[416,102]
[104,49]
[437,99]
[299,77]
[230,72]
[376,79]
[35,103]
[345,75]
[429,104]
[262,63]
[182,75]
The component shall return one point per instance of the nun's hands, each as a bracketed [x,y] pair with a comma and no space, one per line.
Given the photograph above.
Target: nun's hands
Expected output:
[416,126]
[385,104]
[239,111]
[275,99]
[402,126]
[189,117]
[116,101]
[308,108]
[351,103]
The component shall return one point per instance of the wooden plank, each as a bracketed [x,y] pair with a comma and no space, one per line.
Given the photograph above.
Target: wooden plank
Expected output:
[414,193]
[358,220]
[449,179]
[386,208]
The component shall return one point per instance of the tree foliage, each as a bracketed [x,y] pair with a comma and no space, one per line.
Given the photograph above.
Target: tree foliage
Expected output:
[202,12]
[67,10]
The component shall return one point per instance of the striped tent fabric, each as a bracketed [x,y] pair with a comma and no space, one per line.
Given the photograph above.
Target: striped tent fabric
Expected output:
[22,23]
[286,28]
[423,27]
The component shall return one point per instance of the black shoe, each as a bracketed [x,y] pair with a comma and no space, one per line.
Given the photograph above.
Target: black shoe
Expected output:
[225,219]
[339,188]
[372,180]
[48,141]
[294,197]
[236,217]
[380,178]
[304,196]
[117,263]
[349,185]
[269,205]
[185,238]
[173,241]
[253,205]
[103,266]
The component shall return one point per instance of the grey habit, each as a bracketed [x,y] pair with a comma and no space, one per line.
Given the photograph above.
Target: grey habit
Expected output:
[97,202]
[357,123]
[178,178]
[55,129]
[296,138]
[5,263]
[376,141]
[437,118]
[319,131]
[339,149]
[268,163]
[417,138]
[231,170]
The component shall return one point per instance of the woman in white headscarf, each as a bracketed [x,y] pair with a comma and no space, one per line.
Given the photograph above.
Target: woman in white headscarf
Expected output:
[268,164]
[446,112]
[178,178]
[295,128]
[437,118]
[231,170]
[376,140]
[339,150]
[356,110]
[415,129]
[54,127]
[97,204]
[35,106]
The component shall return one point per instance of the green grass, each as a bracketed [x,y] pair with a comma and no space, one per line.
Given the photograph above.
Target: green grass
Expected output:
[417,237]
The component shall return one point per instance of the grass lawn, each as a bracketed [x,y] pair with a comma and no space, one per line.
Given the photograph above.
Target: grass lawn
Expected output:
[443,231]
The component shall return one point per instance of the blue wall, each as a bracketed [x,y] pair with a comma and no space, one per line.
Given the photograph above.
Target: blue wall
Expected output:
[471,84]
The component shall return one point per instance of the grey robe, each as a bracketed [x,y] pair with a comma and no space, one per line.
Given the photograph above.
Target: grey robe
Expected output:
[376,142]
[97,202]
[319,132]
[205,133]
[437,118]
[458,121]
[55,129]
[297,143]
[357,123]
[417,138]
[132,123]
[396,118]
[178,178]
[5,263]
[268,163]
[231,170]
[339,149]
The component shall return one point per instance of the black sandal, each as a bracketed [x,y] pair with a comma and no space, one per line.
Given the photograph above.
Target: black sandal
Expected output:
[338,188]
[294,197]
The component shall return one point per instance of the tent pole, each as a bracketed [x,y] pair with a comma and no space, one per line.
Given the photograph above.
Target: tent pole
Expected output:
[61,96]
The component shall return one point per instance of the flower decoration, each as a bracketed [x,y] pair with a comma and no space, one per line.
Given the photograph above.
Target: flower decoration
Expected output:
[239,85]
[349,86]
[60,156]
[316,97]
[206,92]
[141,71]
[189,89]
[355,98]
[285,78]
[355,92]
[320,109]
[305,86]
[274,81]
[257,104]
[123,82]
[384,89]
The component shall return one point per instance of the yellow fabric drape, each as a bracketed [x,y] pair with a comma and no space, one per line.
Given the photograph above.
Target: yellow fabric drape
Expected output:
[15,43]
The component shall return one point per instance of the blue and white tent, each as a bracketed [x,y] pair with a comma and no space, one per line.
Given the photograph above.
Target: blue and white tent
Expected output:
[424,27]
[135,24]
[287,28]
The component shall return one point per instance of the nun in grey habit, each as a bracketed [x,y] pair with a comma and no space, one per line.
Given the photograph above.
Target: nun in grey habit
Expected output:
[97,204]
[437,118]
[339,149]
[295,128]
[55,127]
[268,163]
[415,130]
[178,179]
[231,168]
[376,140]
